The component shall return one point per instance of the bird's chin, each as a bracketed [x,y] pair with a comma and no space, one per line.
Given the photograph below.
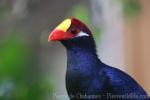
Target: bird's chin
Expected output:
[73,42]
[69,40]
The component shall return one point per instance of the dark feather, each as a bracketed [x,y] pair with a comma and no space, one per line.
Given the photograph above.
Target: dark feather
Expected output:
[87,75]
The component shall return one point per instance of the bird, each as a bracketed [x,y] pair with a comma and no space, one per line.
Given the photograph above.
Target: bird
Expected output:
[87,77]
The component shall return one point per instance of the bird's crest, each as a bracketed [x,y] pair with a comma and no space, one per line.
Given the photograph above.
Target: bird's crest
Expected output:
[80,24]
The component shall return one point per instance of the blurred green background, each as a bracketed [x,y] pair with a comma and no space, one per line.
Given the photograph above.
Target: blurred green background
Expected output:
[30,66]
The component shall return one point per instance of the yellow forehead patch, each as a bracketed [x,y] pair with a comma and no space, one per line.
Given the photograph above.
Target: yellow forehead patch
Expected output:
[64,25]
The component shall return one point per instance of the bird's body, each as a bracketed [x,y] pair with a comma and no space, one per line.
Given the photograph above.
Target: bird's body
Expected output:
[88,78]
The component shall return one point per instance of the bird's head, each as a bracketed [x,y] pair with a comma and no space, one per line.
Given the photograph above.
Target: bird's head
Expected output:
[73,34]
[69,29]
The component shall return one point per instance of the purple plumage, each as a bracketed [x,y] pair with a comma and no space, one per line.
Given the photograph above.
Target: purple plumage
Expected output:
[87,77]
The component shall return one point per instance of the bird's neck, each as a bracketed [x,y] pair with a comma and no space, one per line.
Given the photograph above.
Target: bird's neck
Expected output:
[81,55]
[80,58]
[81,65]
[82,44]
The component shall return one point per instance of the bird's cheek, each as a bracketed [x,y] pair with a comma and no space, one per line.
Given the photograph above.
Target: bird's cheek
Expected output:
[58,35]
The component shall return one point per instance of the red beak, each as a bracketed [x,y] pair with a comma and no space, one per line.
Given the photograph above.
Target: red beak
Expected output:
[60,32]
[58,35]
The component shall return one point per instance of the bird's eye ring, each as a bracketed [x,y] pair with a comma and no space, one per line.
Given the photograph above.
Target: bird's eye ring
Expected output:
[73,30]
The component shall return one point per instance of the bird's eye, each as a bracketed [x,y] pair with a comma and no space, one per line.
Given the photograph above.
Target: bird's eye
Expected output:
[73,30]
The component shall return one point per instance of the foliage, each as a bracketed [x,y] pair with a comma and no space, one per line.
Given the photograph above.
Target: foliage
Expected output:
[131,8]
[19,78]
